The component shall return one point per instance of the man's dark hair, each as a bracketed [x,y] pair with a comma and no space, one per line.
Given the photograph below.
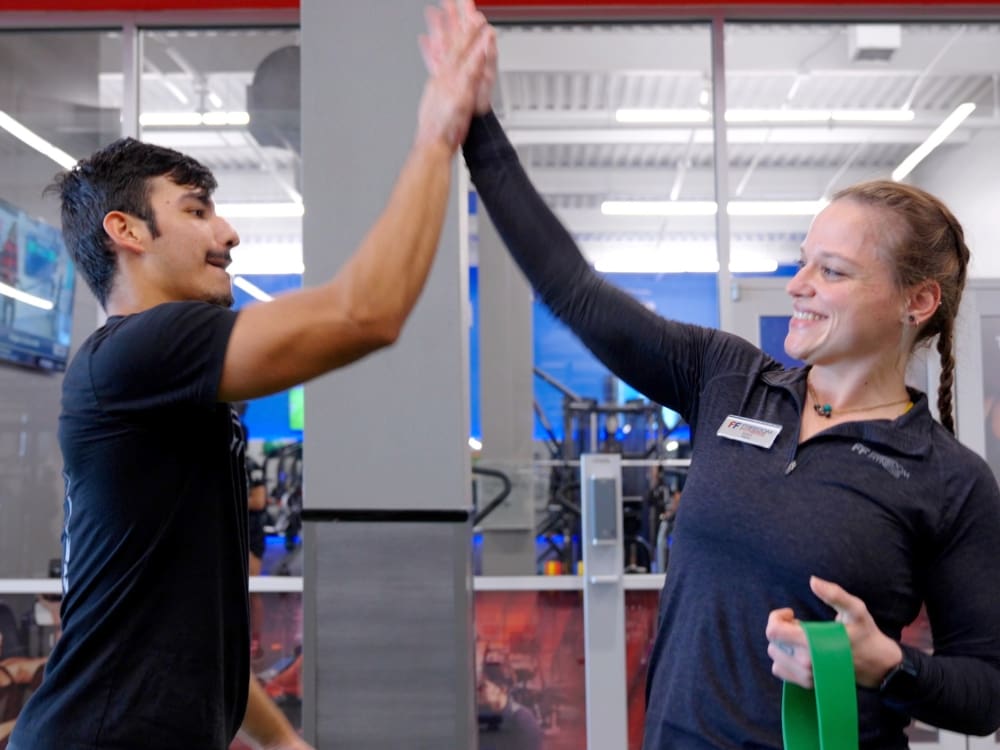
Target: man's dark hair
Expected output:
[499,675]
[116,178]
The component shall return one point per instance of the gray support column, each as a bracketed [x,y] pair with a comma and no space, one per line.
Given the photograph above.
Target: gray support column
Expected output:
[603,599]
[388,588]
[506,399]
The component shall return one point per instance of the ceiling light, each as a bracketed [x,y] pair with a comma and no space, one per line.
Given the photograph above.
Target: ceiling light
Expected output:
[28,299]
[252,289]
[35,141]
[753,265]
[192,119]
[637,116]
[659,208]
[934,140]
[655,259]
[169,119]
[687,116]
[872,115]
[776,208]
[819,115]
[708,208]
[287,210]
[225,118]
[265,259]
[777,115]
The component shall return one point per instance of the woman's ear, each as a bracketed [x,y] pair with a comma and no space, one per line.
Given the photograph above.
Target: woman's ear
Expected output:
[922,301]
[126,231]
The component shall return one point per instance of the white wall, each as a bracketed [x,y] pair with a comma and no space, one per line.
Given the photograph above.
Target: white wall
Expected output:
[968,180]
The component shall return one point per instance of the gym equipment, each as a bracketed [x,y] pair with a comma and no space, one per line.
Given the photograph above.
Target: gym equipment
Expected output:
[637,431]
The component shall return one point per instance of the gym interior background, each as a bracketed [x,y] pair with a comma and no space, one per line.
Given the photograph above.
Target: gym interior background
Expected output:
[637,121]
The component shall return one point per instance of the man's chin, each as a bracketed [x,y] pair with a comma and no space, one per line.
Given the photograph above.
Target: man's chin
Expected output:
[222,300]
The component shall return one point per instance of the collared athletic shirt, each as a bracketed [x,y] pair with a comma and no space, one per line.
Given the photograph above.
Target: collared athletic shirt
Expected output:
[897,512]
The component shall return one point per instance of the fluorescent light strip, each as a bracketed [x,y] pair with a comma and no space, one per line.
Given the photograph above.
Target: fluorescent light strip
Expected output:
[35,141]
[935,139]
[28,299]
[776,208]
[819,115]
[636,116]
[225,118]
[777,115]
[192,119]
[633,262]
[872,115]
[659,208]
[709,208]
[258,259]
[288,210]
[687,116]
[252,289]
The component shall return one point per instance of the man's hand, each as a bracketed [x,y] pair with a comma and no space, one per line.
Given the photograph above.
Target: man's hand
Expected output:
[460,54]
[265,726]
[874,652]
[293,744]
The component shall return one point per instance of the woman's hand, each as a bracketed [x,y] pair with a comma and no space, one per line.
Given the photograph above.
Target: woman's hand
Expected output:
[874,653]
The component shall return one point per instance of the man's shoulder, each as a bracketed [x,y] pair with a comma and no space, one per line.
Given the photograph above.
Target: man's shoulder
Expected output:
[168,353]
[192,311]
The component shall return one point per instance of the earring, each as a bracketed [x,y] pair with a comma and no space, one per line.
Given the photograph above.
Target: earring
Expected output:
[913,320]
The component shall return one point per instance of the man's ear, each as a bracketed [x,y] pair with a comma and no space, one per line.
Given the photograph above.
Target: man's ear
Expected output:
[126,231]
[923,301]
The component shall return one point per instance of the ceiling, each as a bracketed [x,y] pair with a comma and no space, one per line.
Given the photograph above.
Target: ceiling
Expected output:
[558,92]
[561,86]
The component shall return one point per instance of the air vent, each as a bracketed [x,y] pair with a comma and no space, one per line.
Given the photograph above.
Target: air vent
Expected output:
[873,42]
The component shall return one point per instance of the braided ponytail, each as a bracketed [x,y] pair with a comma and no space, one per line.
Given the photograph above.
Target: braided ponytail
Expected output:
[947,382]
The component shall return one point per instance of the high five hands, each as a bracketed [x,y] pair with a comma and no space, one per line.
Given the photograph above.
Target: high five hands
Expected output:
[459,50]
[874,653]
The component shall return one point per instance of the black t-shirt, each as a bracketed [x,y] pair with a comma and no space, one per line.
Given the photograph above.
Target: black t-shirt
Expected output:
[258,518]
[155,646]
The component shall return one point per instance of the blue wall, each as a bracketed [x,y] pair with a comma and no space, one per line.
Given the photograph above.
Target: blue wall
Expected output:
[689,297]
[267,418]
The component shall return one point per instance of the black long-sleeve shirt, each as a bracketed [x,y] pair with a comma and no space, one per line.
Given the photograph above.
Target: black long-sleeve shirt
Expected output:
[897,512]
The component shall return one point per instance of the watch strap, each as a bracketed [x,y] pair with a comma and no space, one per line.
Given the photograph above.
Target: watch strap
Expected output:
[899,686]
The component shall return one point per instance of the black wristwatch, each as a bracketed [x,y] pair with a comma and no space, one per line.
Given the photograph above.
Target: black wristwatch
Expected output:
[900,685]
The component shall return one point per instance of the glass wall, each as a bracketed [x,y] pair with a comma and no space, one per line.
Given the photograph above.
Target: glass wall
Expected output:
[54,108]
[230,98]
[613,124]
[813,108]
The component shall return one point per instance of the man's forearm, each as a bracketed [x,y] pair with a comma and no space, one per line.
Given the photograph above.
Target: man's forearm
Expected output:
[265,724]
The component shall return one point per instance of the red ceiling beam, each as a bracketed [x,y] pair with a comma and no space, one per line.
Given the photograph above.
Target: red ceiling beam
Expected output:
[184,5]
[143,6]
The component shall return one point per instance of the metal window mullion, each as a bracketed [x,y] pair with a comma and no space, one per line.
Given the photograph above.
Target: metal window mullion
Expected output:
[131,78]
[724,278]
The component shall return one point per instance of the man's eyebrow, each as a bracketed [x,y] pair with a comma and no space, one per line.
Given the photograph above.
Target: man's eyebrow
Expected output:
[201,196]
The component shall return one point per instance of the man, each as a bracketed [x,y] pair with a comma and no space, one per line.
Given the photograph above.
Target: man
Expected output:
[155,648]
[505,724]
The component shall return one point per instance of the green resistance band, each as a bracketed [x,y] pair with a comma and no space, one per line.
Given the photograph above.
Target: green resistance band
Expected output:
[825,718]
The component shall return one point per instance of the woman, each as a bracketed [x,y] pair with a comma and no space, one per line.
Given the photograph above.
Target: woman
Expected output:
[849,502]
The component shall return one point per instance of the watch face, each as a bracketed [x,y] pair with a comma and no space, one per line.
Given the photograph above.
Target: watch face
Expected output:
[900,685]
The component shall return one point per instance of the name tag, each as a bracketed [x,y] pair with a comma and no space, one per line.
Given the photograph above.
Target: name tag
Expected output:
[762,434]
